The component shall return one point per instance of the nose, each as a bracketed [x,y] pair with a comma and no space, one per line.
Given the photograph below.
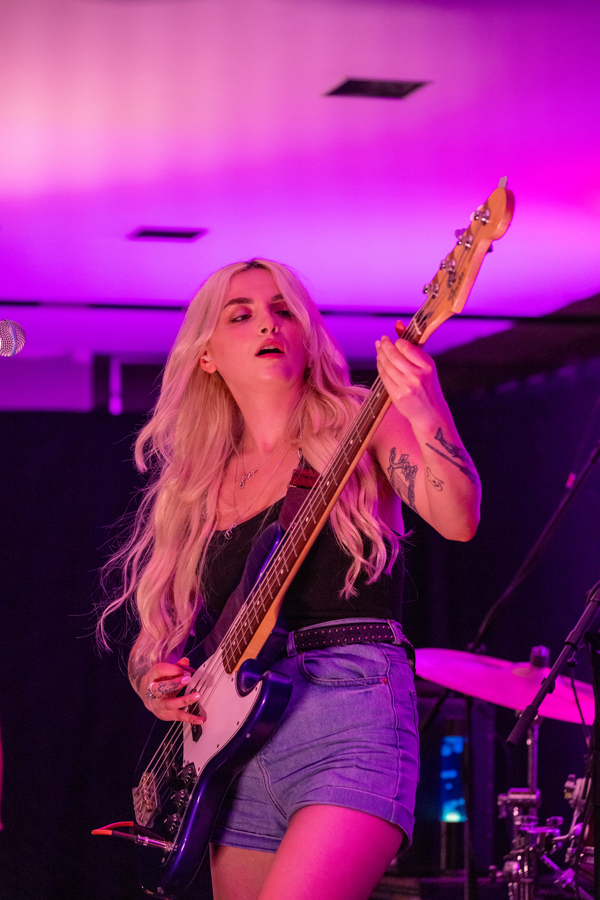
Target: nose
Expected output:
[268,323]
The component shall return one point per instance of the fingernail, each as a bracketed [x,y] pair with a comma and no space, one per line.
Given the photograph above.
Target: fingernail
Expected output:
[377,344]
[186,679]
[196,696]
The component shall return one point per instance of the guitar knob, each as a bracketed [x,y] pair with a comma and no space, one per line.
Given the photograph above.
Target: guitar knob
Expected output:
[172,824]
[187,776]
[180,799]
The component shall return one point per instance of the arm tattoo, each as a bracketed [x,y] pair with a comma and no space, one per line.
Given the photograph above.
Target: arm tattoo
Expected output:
[452,449]
[436,482]
[137,671]
[457,453]
[402,477]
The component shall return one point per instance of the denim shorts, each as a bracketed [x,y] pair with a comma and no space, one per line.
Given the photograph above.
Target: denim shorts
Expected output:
[348,738]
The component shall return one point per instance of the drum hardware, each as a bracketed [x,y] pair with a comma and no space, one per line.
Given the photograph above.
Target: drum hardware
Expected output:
[519,806]
[513,685]
[531,843]
[574,639]
[582,630]
[580,850]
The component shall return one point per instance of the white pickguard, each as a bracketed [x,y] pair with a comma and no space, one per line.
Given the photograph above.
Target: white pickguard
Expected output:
[225,710]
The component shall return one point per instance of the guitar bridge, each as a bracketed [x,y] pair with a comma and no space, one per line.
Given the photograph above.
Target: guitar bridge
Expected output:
[145,800]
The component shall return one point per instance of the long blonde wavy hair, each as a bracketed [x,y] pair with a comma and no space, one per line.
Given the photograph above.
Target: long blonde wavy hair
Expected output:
[195,427]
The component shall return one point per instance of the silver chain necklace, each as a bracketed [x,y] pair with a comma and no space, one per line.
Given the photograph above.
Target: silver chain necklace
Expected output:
[246,476]
[229,532]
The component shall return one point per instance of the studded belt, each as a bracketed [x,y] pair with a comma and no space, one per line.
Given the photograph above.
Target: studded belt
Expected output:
[318,638]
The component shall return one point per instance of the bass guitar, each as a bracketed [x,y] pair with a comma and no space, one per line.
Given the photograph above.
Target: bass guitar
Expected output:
[180,792]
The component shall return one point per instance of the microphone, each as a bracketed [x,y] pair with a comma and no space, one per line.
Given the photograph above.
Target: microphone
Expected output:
[12,337]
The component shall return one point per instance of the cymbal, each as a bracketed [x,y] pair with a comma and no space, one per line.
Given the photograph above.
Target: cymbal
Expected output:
[505,683]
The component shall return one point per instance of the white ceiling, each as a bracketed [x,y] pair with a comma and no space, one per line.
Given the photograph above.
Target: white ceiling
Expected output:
[116,114]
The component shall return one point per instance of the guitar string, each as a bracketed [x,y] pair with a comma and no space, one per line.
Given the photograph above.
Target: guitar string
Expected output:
[353,430]
[249,608]
[233,636]
[305,513]
[243,616]
[433,303]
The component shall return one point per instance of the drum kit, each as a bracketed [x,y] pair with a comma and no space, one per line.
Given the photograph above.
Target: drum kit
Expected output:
[514,685]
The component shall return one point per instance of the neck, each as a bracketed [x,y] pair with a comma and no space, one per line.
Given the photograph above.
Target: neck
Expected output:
[265,422]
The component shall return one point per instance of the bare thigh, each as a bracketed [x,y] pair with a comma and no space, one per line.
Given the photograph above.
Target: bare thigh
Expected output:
[328,853]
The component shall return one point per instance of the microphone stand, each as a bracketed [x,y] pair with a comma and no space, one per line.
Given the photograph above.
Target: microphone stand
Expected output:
[536,551]
[528,564]
[522,572]
[571,645]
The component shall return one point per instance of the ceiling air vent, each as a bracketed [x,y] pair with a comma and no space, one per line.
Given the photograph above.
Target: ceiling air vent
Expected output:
[168,234]
[354,87]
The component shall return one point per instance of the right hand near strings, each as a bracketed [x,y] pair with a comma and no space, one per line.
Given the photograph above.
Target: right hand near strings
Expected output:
[160,686]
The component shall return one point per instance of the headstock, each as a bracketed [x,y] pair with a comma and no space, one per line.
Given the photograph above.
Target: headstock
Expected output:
[449,289]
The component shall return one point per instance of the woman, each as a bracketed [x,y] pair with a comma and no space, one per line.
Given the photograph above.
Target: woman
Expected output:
[253,384]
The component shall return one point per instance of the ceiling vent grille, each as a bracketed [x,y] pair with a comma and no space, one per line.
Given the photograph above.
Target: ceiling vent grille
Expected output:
[168,234]
[391,90]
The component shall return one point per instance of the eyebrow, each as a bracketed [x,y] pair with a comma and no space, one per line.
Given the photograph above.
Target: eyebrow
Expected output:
[248,300]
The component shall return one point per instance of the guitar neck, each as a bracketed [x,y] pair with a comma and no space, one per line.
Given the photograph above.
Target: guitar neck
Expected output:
[446,295]
[257,617]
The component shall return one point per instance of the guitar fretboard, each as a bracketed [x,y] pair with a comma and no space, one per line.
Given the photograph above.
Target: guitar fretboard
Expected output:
[446,294]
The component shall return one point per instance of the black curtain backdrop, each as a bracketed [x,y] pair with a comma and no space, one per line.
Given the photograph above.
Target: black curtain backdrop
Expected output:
[73,729]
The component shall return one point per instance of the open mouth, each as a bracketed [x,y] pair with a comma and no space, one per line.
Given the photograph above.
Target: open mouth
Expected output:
[268,350]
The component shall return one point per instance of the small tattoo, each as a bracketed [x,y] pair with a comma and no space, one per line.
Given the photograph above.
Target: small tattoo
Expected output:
[436,482]
[402,477]
[138,670]
[452,449]
[457,453]
[167,687]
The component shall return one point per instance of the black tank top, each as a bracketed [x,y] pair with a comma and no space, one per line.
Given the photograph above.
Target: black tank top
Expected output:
[314,595]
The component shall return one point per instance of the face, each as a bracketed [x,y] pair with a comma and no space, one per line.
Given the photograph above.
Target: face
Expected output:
[257,342]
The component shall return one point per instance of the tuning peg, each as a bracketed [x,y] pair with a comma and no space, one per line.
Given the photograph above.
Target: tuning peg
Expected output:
[463,241]
[481,214]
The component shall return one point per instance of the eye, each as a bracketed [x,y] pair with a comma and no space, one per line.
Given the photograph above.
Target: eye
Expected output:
[286,313]
[241,316]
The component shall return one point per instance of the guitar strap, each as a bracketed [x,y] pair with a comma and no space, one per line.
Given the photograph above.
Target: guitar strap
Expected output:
[303,479]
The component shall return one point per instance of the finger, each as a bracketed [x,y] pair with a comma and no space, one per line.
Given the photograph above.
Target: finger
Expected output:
[400,328]
[165,670]
[405,351]
[178,715]
[178,707]
[386,350]
[392,365]
[184,663]
[164,687]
